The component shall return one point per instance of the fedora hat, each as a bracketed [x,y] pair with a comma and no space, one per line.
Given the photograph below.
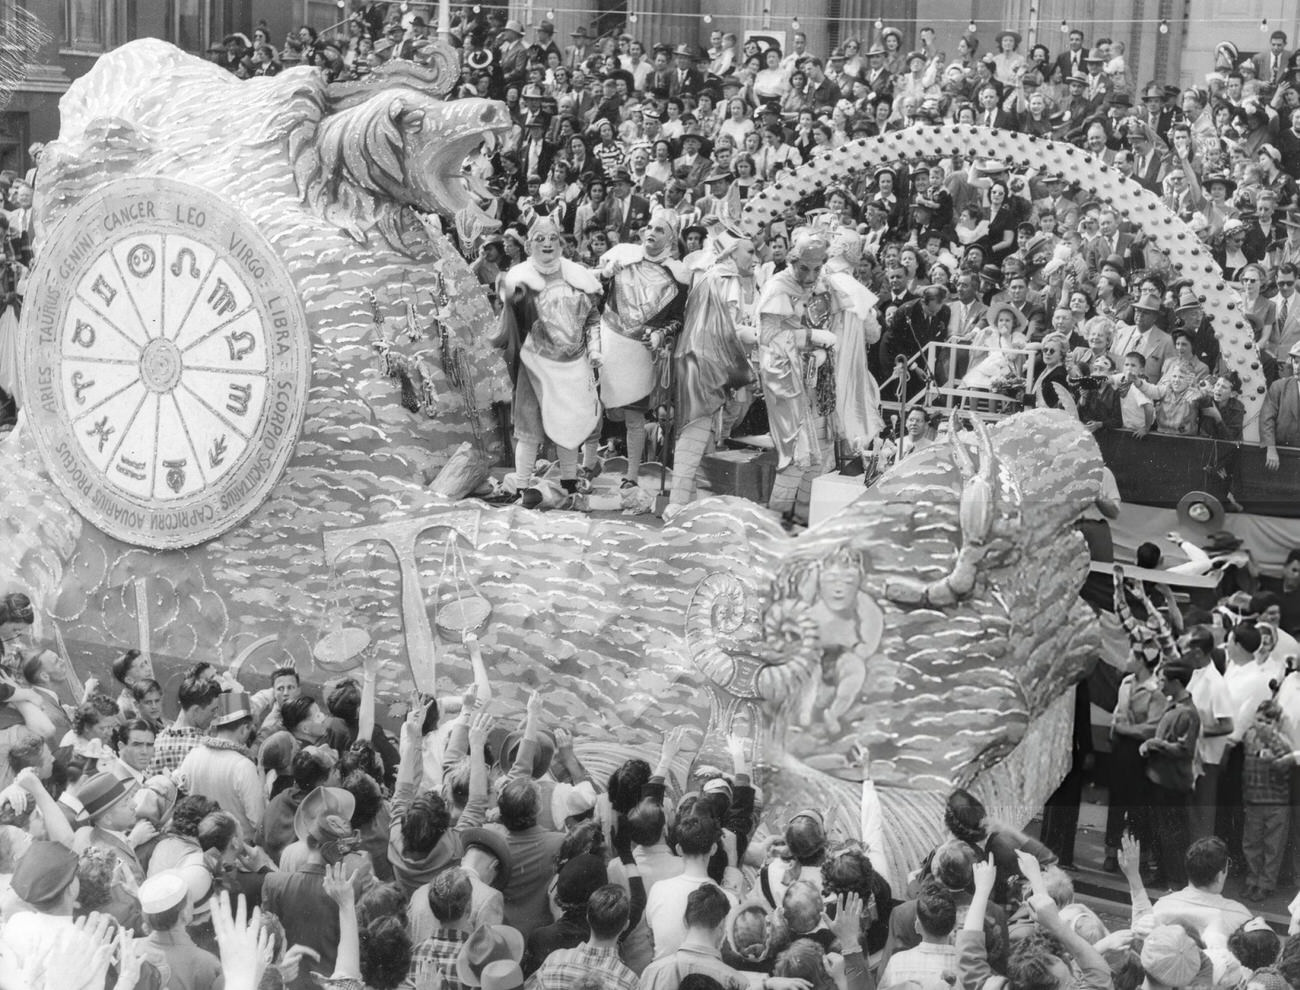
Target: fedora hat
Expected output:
[100,793]
[578,32]
[495,843]
[992,274]
[321,803]
[502,975]
[541,759]
[1187,299]
[1221,541]
[876,49]
[487,944]
[1153,92]
[1078,77]
[1095,56]
[1149,302]
[514,27]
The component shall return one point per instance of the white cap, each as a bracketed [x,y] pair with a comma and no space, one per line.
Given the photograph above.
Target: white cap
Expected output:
[162,892]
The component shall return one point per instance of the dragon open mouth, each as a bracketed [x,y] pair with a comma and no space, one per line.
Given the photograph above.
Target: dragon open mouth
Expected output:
[451,187]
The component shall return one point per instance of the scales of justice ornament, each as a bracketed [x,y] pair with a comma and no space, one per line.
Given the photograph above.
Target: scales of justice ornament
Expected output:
[165,362]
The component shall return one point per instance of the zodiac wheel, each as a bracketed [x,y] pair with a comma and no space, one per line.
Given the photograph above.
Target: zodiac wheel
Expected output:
[165,362]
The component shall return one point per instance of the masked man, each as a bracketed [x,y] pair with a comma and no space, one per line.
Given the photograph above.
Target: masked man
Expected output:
[551,309]
[711,367]
[644,304]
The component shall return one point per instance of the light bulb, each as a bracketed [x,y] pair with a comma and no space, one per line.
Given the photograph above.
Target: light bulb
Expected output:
[631,18]
[478,9]
[1164,27]
[708,18]
[340,4]
[794,24]
[1263,25]
[971,27]
[880,23]
[1065,26]
[550,15]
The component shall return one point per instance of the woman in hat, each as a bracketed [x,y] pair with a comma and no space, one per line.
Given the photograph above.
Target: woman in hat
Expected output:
[770,83]
[891,39]
[997,360]
[1007,58]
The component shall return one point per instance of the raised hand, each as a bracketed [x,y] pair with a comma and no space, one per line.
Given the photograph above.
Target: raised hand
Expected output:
[292,962]
[1031,870]
[339,884]
[1130,856]
[847,925]
[480,727]
[244,945]
[674,739]
[985,874]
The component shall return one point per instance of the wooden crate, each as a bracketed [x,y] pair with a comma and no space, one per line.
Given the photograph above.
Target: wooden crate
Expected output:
[746,473]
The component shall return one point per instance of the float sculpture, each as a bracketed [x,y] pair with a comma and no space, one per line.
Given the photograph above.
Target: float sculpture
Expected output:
[239,387]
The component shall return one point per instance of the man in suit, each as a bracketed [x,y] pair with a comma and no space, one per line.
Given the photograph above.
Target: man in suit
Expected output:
[1148,165]
[512,53]
[1279,419]
[536,153]
[914,325]
[1287,302]
[686,79]
[660,82]
[545,44]
[877,77]
[628,214]
[1099,84]
[1271,66]
[578,52]
[990,113]
[1109,244]
[1070,62]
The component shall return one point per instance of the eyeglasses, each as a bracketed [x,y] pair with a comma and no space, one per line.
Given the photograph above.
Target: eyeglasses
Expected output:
[1250,280]
[1286,283]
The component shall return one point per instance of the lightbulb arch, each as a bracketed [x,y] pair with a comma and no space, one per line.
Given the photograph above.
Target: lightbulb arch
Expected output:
[1188,256]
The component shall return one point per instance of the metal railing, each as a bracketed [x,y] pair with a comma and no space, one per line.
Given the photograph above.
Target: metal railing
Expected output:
[943,365]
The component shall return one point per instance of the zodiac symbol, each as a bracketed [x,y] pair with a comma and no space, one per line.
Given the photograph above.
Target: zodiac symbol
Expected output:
[218,452]
[221,298]
[105,291]
[175,474]
[141,260]
[130,468]
[240,343]
[102,430]
[237,401]
[177,267]
[79,385]
[84,334]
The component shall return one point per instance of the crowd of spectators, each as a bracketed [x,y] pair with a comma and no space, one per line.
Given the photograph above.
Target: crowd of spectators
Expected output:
[281,839]
[608,128]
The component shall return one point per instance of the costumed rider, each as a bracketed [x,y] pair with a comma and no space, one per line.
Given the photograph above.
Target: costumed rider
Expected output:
[855,325]
[795,341]
[711,368]
[645,301]
[550,313]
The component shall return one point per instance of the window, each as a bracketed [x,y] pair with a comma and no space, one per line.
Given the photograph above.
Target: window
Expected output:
[86,25]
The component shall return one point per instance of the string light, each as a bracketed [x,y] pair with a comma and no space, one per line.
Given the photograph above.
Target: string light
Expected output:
[1263,25]
[1065,26]
[1164,27]
[794,24]
[631,18]
[708,18]
[880,24]
[972,27]
[550,15]
[478,9]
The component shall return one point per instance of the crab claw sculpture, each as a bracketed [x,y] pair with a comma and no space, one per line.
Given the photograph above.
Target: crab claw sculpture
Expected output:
[989,516]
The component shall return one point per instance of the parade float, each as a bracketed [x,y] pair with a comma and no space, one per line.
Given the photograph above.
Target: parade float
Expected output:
[248,348]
